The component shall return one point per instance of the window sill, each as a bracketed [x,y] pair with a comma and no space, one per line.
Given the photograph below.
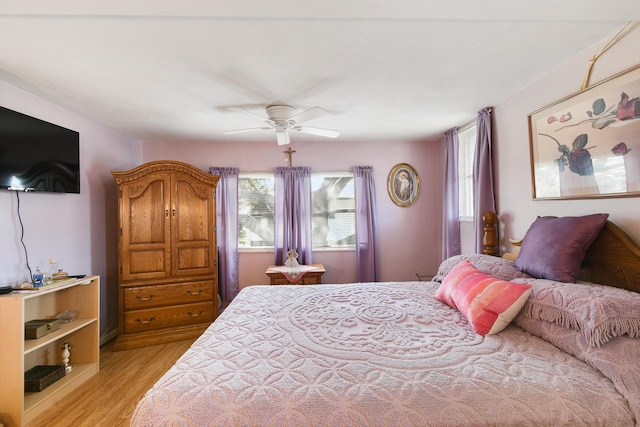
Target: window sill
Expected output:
[270,250]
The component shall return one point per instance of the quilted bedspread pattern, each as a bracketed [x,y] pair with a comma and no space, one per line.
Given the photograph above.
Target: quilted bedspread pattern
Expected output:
[372,354]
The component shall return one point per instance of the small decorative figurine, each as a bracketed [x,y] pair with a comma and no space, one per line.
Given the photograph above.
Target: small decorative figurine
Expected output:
[38,278]
[292,258]
[66,356]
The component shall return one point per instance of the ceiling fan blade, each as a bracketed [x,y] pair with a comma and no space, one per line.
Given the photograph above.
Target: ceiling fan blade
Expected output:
[251,113]
[230,132]
[318,131]
[283,137]
[310,114]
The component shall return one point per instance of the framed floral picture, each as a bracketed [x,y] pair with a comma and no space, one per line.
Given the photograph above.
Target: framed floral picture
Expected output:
[403,184]
[588,144]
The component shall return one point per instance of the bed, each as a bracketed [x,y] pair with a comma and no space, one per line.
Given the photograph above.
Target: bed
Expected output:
[396,354]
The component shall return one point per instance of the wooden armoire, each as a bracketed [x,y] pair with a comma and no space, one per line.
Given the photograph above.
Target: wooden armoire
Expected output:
[167,259]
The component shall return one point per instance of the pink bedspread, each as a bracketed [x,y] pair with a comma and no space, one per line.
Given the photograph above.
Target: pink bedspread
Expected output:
[376,354]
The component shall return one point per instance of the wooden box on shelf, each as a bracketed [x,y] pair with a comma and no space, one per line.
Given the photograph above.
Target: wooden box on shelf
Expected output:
[18,354]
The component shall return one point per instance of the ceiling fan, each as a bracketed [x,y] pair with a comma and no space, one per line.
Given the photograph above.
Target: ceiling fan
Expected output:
[282,118]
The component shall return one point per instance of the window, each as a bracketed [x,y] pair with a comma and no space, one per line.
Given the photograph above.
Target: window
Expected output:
[333,204]
[255,211]
[334,210]
[466,154]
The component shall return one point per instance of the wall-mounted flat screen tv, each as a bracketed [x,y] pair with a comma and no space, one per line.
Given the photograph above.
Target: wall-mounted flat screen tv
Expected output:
[36,155]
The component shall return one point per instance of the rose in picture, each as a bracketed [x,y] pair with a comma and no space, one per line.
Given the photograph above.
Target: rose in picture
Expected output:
[580,162]
[578,158]
[628,108]
[620,149]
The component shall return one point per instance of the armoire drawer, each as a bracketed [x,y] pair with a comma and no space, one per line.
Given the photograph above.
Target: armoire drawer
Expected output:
[139,297]
[165,317]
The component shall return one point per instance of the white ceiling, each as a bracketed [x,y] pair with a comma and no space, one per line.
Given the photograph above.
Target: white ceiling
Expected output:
[407,69]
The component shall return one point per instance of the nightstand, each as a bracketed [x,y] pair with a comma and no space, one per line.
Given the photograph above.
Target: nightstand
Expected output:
[302,275]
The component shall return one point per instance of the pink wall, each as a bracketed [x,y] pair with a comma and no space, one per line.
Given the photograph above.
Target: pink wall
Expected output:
[79,230]
[511,144]
[409,237]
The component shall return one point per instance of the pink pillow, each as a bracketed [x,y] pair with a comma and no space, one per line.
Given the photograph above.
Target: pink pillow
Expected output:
[488,303]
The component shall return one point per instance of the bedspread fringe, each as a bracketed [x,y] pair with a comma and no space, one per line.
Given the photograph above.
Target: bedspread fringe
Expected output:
[595,336]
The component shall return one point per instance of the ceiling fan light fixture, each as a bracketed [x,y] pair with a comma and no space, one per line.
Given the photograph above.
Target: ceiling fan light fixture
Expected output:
[282,137]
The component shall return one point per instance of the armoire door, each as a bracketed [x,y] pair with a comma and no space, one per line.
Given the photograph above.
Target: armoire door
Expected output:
[193,222]
[145,235]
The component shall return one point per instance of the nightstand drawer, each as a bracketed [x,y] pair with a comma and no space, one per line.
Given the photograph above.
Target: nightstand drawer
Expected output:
[139,297]
[164,317]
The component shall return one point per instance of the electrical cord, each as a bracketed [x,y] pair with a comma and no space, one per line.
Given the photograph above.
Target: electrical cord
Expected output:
[26,253]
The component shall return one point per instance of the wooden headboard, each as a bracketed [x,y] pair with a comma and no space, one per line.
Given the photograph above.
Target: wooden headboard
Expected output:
[613,259]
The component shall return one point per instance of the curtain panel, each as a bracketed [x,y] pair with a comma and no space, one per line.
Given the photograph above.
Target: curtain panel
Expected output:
[366,224]
[227,231]
[483,195]
[293,212]
[451,227]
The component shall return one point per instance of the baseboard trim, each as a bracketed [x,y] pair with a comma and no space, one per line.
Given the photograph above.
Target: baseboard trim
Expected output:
[110,335]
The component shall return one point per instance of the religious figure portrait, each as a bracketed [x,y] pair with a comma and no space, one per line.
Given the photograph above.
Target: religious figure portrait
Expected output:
[403,184]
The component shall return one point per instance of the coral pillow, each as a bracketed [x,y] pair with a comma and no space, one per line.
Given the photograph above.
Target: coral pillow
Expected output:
[488,303]
[553,248]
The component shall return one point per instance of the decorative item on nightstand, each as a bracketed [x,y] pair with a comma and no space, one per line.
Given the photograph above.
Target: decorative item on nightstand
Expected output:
[292,258]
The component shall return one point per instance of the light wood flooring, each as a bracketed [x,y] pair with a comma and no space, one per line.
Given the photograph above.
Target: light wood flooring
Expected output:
[109,398]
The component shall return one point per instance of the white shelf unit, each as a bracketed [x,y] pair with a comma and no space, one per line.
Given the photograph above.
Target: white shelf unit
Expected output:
[18,354]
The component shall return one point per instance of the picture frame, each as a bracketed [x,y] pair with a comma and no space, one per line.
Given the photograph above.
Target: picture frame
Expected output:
[587,145]
[403,184]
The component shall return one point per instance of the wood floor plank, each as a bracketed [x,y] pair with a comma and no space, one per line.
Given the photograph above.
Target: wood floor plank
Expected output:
[109,398]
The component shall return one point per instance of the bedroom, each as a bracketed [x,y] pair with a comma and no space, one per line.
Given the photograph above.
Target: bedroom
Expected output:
[74,228]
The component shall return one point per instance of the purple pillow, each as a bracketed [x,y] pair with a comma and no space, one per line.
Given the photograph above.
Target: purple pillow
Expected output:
[554,248]
[499,267]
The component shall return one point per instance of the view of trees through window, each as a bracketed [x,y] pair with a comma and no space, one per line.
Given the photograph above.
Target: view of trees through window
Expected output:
[255,210]
[333,207]
[333,201]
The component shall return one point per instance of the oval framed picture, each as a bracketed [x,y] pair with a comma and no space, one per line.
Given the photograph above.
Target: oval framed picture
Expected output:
[403,184]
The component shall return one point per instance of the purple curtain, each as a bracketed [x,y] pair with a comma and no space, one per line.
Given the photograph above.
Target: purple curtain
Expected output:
[483,197]
[227,231]
[366,224]
[292,219]
[451,227]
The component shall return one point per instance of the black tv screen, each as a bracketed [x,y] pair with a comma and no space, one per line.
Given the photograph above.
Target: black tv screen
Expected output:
[36,155]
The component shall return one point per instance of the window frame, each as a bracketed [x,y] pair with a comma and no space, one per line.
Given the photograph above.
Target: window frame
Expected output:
[271,176]
[467,142]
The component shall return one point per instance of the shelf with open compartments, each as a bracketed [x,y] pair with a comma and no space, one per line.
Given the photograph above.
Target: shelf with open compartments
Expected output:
[19,354]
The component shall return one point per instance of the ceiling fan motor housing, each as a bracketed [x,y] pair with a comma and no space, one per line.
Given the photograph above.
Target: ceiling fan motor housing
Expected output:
[280,114]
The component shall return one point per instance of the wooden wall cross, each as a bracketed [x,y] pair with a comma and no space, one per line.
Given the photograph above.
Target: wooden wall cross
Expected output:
[289,152]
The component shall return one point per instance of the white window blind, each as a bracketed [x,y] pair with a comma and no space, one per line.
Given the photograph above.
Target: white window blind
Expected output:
[466,155]
[334,212]
[255,210]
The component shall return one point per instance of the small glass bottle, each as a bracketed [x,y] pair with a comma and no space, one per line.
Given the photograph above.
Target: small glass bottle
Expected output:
[37,278]
[53,268]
